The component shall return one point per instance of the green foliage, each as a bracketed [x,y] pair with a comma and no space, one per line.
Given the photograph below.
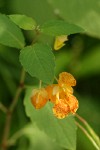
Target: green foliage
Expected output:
[80,56]
[58,27]
[10,34]
[83,13]
[36,138]
[36,60]
[24,22]
[63,132]
[41,12]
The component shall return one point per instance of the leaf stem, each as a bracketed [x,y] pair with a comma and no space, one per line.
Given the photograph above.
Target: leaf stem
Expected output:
[21,86]
[90,130]
[14,137]
[10,112]
[40,84]
[37,33]
[56,78]
[89,136]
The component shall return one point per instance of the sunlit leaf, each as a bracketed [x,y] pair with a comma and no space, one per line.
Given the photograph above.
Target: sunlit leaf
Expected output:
[10,34]
[23,21]
[38,61]
[36,138]
[59,27]
[83,13]
[40,13]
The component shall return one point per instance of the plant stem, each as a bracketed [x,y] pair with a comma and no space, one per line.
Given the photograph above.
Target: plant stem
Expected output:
[56,78]
[89,136]
[40,84]
[91,131]
[10,111]
[37,33]
[12,140]
[3,108]
[21,86]
[6,131]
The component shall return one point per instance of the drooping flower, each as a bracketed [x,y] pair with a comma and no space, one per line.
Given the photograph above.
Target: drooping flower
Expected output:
[52,91]
[39,98]
[61,95]
[66,103]
[73,103]
[61,109]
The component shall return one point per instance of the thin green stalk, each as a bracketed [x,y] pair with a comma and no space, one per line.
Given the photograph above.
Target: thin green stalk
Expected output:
[56,78]
[88,135]
[21,85]
[12,140]
[40,84]
[37,33]
[90,130]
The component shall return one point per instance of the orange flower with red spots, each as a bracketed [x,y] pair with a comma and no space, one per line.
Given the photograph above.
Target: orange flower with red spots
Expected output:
[61,95]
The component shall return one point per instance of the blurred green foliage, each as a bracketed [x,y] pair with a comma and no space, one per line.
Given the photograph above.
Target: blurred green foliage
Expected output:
[80,56]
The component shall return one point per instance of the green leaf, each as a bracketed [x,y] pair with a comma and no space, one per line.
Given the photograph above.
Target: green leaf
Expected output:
[38,61]
[24,22]
[59,27]
[62,131]
[36,139]
[10,34]
[83,13]
[33,8]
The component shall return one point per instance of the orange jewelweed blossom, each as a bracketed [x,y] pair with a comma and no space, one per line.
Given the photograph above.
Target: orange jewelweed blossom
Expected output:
[52,91]
[66,98]
[61,95]
[61,109]
[39,98]
[73,103]
[66,78]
